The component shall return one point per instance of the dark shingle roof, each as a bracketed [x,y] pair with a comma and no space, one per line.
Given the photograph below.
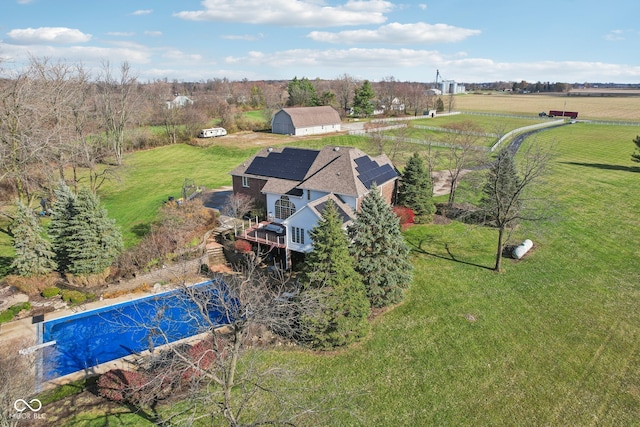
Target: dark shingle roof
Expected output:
[341,170]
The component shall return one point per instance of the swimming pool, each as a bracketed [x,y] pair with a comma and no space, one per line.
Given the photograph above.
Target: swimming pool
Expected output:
[87,339]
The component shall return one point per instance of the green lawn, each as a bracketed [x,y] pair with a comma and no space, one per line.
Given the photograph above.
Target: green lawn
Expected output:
[554,340]
[151,176]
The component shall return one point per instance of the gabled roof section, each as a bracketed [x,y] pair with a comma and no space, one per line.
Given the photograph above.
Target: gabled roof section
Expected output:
[347,170]
[303,117]
[345,213]
[341,170]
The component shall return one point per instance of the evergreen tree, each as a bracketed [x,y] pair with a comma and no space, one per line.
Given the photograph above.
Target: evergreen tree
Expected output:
[63,210]
[636,154]
[34,255]
[502,198]
[416,189]
[362,105]
[96,241]
[302,93]
[380,252]
[331,282]
[85,239]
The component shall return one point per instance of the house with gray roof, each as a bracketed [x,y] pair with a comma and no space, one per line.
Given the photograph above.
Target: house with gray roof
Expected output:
[300,121]
[295,184]
[179,101]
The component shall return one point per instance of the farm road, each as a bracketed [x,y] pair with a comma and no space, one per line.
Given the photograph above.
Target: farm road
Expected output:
[442,181]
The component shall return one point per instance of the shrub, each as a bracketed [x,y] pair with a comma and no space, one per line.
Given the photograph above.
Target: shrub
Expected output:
[122,386]
[405,215]
[73,297]
[50,292]
[242,246]
[11,312]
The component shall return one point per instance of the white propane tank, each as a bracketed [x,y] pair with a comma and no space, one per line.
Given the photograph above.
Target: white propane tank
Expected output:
[523,248]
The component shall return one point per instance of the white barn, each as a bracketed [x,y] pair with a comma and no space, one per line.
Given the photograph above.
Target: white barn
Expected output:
[300,121]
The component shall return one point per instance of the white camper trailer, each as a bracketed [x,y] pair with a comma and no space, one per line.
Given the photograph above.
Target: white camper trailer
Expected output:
[212,133]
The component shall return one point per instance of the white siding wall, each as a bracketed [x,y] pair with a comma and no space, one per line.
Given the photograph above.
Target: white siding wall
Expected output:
[305,219]
[301,202]
[315,130]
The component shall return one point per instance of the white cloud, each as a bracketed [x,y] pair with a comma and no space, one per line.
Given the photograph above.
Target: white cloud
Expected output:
[291,13]
[153,33]
[396,33]
[121,34]
[179,56]
[337,58]
[422,6]
[58,35]
[614,35]
[419,65]
[24,1]
[133,53]
[245,37]
[143,12]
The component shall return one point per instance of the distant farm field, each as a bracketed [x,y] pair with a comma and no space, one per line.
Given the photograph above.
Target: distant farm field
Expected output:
[594,108]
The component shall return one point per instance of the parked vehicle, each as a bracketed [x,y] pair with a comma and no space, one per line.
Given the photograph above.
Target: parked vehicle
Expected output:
[559,113]
[212,132]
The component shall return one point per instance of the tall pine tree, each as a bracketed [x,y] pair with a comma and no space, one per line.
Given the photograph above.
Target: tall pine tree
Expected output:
[85,239]
[96,241]
[62,211]
[380,252]
[331,282]
[416,189]
[362,106]
[34,255]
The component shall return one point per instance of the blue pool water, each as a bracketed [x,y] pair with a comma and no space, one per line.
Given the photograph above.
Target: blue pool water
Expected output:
[87,339]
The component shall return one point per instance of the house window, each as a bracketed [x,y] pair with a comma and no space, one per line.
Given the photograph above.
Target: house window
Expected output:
[297,235]
[284,208]
[308,194]
[245,181]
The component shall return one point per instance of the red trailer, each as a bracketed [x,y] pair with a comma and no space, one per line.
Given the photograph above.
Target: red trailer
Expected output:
[559,113]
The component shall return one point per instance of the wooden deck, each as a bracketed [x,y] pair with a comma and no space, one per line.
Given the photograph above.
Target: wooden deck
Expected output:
[258,234]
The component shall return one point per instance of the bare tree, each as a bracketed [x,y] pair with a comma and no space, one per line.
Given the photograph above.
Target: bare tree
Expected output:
[463,152]
[216,377]
[16,381]
[237,205]
[343,86]
[417,98]
[451,102]
[25,138]
[115,105]
[506,199]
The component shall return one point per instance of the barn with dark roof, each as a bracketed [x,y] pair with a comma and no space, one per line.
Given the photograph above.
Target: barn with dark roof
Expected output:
[300,121]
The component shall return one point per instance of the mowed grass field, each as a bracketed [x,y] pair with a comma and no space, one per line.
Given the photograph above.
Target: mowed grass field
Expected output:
[554,340]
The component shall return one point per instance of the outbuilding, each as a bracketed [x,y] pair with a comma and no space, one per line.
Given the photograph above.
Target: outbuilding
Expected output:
[300,121]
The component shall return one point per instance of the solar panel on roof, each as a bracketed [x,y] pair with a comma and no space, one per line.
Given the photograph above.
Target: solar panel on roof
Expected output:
[370,171]
[291,163]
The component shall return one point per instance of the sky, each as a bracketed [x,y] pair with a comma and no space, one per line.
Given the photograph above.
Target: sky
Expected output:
[469,41]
